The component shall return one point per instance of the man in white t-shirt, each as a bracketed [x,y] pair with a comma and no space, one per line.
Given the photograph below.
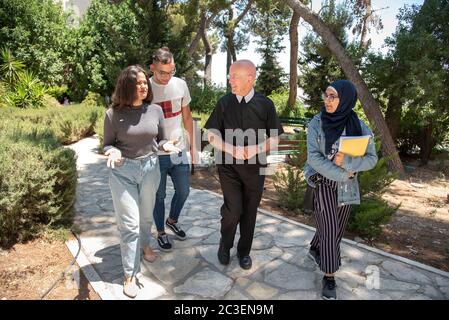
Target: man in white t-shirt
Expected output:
[172,94]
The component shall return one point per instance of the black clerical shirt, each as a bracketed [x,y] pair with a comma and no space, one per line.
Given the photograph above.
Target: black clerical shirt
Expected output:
[245,123]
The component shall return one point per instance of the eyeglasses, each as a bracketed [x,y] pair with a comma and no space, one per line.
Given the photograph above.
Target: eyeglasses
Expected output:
[237,77]
[166,74]
[329,98]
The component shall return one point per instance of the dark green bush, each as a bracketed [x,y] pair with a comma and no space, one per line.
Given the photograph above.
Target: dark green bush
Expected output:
[290,186]
[94,100]
[373,182]
[37,188]
[367,218]
[67,124]
[280,99]
[57,91]
[38,175]
[205,99]
[27,92]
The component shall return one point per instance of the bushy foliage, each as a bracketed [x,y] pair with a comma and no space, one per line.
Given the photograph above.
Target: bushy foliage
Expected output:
[412,78]
[367,218]
[38,175]
[116,34]
[21,88]
[94,99]
[374,182]
[204,99]
[51,102]
[57,91]
[67,125]
[27,92]
[290,186]
[280,98]
[37,33]
[37,189]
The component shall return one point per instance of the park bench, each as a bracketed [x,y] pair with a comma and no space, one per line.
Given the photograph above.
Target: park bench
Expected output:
[303,122]
[288,145]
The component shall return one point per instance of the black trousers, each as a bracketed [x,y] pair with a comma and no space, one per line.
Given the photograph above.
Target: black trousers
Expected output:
[331,221]
[242,187]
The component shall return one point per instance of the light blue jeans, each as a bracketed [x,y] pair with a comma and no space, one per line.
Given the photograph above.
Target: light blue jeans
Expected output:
[133,187]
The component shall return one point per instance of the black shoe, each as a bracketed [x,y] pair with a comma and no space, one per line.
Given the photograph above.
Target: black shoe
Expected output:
[329,291]
[314,254]
[245,262]
[223,255]
[164,243]
[179,233]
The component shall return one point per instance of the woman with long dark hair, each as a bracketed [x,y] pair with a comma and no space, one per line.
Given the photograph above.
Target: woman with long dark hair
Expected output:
[333,175]
[133,133]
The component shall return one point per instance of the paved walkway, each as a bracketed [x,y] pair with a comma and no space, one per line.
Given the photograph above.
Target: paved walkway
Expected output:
[281,268]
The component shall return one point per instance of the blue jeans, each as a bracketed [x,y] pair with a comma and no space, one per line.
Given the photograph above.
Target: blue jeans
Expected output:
[179,174]
[133,187]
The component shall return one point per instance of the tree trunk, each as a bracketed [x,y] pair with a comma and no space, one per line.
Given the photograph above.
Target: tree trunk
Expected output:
[393,116]
[208,60]
[199,34]
[293,82]
[369,104]
[229,34]
[427,144]
[366,21]
[232,47]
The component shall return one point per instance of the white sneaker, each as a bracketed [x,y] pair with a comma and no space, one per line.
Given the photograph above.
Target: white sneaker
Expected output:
[130,288]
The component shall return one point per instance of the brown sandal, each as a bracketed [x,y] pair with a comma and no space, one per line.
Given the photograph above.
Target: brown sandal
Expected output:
[149,256]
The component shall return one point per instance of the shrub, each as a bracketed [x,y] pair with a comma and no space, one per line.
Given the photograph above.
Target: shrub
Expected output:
[280,99]
[205,99]
[94,100]
[290,186]
[37,189]
[367,218]
[299,157]
[374,182]
[67,125]
[38,175]
[28,92]
[50,101]
[57,91]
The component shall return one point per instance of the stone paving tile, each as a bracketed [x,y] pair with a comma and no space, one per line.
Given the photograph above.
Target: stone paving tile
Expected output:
[281,268]
[283,275]
[207,284]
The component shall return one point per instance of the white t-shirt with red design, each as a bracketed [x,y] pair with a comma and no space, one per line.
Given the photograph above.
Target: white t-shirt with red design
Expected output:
[172,97]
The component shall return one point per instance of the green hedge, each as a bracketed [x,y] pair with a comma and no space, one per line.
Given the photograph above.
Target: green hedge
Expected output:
[205,99]
[38,175]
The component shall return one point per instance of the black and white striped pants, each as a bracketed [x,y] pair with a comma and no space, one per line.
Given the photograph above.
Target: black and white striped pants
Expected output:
[331,222]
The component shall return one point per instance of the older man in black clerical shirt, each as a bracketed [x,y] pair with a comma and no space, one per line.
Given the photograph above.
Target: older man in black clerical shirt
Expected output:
[244,127]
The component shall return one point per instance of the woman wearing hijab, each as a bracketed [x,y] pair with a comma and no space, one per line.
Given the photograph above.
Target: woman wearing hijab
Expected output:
[333,175]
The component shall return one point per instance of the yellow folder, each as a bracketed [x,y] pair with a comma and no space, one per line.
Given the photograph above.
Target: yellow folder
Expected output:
[354,146]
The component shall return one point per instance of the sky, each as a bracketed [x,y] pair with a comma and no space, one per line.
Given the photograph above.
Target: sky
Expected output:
[388,16]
